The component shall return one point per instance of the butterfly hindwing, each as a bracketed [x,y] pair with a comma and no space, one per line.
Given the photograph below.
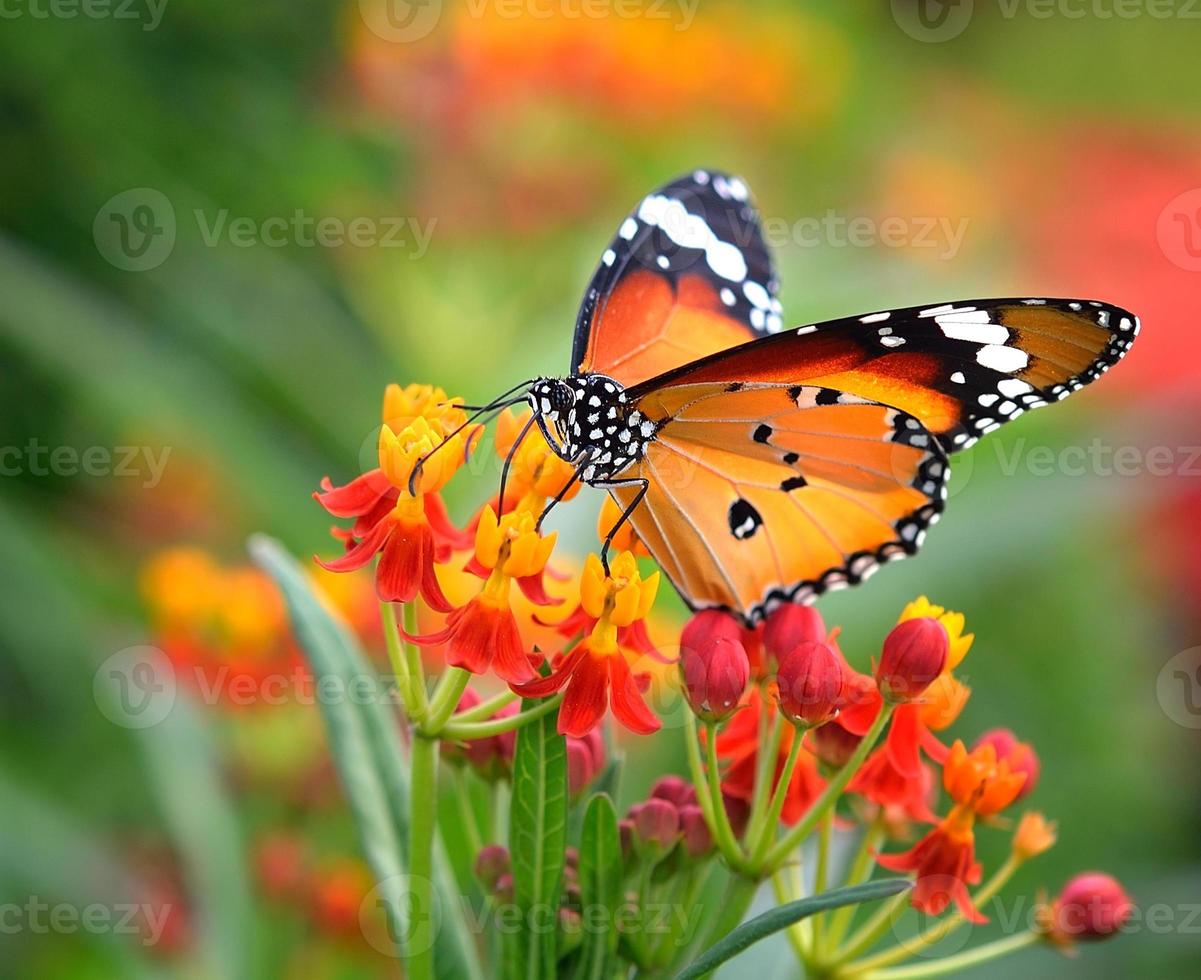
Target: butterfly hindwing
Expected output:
[687,274]
[764,493]
[962,369]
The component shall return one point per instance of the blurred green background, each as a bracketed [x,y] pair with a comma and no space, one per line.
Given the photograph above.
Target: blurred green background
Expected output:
[165,172]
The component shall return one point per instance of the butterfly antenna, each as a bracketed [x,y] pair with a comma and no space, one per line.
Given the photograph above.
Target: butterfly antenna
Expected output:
[504,473]
[497,405]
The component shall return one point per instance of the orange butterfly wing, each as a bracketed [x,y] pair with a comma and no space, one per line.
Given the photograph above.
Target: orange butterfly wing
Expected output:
[760,494]
[687,274]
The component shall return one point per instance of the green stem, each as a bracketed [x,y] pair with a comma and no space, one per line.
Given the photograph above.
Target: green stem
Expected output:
[445,699]
[396,657]
[766,834]
[456,731]
[413,661]
[860,871]
[819,879]
[697,769]
[419,964]
[723,833]
[738,897]
[471,826]
[486,709]
[960,961]
[831,793]
[941,929]
[765,768]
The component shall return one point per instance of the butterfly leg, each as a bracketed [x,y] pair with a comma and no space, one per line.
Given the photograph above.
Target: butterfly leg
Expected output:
[643,485]
[558,498]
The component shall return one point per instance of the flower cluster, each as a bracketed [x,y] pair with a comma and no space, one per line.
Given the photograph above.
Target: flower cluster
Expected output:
[785,739]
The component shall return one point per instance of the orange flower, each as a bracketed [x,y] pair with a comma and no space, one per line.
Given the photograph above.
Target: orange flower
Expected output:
[945,860]
[596,671]
[483,634]
[396,510]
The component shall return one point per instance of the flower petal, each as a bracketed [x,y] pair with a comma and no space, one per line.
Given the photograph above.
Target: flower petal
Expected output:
[628,706]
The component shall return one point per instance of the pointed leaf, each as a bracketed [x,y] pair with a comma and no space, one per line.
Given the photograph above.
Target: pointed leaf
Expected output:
[600,887]
[762,926]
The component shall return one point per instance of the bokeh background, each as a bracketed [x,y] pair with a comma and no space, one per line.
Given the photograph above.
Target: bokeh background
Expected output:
[165,174]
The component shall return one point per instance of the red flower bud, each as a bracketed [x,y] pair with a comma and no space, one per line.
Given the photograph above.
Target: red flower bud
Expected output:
[490,864]
[715,670]
[1091,906]
[811,681]
[585,759]
[675,790]
[697,839]
[789,626]
[656,827]
[834,745]
[1019,755]
[915,653]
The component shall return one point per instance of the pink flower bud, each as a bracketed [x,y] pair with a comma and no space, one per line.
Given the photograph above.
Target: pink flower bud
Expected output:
[656,827]
[811,681]
[490,864]
[697,839]
[1091,906]
[715,672]
[585,759]
[915,653]
[789,626]
[675,790]
[1020,756]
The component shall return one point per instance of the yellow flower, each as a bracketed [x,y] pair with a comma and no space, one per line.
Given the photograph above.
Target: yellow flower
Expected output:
[622,597]
[1034,835]
[626,538]
[537,471]
[403,405]
[952,622]
[943,701]
[399,453]
[511,545]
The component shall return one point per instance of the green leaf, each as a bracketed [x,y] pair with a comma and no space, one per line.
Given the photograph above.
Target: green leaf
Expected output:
[537,843]
[365,740]
[762,926]
[600,887]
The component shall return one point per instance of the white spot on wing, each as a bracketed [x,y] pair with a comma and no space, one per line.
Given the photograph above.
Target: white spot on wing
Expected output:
[1003,359]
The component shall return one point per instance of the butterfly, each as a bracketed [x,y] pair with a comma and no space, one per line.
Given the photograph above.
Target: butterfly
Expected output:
[761,464]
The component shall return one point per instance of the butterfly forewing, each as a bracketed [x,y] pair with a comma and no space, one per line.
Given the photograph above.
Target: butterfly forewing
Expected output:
[687,274]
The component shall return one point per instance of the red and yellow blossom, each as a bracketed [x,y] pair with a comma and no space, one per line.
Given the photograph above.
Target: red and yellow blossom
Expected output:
[484,634]
[395,507]
[596,671]
[945,859]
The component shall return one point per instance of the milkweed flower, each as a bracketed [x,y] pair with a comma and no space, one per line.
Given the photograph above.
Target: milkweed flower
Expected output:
[914,654]
[1020,756]
[945,859]
[810,680]
[1034,835]
[714,666]
[596,673]
[483,634]
[395,507]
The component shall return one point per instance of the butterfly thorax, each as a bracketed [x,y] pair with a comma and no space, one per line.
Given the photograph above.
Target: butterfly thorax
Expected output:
[589,422]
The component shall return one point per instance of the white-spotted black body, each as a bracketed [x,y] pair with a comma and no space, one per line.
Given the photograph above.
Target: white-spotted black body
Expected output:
[587,420]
